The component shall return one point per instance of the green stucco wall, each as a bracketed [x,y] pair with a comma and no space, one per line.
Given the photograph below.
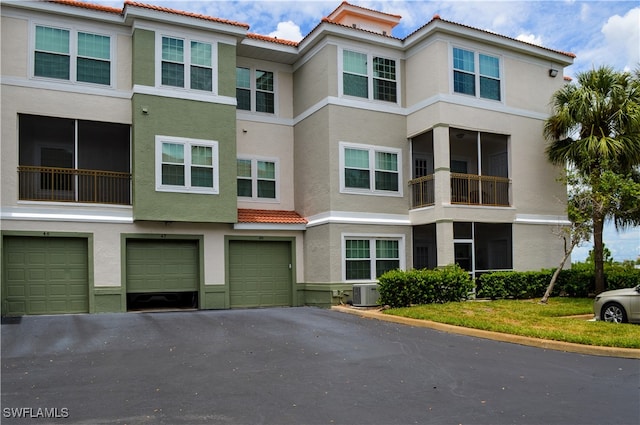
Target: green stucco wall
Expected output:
[143,58]
[226,70]
[189,119]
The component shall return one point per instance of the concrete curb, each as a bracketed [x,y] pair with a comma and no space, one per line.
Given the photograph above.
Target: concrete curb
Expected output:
[630,353]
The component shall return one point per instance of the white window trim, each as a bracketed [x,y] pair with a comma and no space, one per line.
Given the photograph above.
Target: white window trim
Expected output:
[254,179]
[370,76]
[372,149]
[476,64]
[73,54]
[253,90]
[372,248]
[187,39]
[187,143]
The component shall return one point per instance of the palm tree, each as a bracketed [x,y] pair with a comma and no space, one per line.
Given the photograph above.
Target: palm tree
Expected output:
[595,128]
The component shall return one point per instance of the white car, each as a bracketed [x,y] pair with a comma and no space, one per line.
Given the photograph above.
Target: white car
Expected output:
[619,306]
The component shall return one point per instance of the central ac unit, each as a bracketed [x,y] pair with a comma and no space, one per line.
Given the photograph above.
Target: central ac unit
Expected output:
[365,294]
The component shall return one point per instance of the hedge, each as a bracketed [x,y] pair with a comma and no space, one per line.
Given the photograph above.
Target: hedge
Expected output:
[578,281]
[399,288]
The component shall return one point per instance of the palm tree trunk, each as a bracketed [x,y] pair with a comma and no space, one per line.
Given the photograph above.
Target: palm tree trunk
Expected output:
[598,248]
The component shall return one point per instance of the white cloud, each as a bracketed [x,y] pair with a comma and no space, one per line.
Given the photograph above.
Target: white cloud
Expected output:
[288,30]
[530,38]
[617,44]
[622,34]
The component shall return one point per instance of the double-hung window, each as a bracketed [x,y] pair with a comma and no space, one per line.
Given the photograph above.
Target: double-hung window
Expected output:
[186,165]
[476,74]
[75,56]
[369,76]
[368,258]
[257,178]
[255,90]
[370,169]
[187,63]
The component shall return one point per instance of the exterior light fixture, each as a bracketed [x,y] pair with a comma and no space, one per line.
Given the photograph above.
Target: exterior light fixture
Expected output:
[553,73]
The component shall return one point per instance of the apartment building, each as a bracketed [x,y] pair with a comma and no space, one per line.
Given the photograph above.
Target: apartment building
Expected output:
[150,154]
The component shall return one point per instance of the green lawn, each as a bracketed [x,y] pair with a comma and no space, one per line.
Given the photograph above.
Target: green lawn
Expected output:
[530,318]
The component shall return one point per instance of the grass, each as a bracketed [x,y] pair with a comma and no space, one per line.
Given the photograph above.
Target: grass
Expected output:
[530,318]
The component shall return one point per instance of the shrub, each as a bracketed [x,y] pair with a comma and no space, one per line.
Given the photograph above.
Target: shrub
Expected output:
[509,284]
[399,288]
[579,282]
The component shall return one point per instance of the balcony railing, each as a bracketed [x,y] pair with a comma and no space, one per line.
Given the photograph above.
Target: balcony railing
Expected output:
[471,189]
[466,189]
[422,191]
[73,185]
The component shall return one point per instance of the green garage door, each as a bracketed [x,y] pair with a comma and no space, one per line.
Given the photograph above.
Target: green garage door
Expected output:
[45,275]
[259,273]
[162,265]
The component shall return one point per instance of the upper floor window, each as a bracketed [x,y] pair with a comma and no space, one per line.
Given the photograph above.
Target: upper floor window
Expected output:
[476,74]
[186,165]
[370,169]
[257,178]
[368,76]
[187,63]
[255,90]
[72,55]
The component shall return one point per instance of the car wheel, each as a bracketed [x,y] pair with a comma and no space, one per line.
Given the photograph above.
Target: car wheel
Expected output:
[614,312]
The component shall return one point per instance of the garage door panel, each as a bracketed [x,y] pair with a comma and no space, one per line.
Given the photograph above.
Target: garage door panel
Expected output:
[259,273]
[162,266]
[46,275]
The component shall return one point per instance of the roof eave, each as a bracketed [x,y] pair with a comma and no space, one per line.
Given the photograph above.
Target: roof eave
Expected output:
[452,28]
[132,12]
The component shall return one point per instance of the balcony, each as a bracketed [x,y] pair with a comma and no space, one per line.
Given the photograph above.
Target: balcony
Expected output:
[466,189]
[53,184]
[422,191]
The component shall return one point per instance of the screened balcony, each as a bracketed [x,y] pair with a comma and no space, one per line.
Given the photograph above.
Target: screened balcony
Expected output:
[478,164]
[64,160]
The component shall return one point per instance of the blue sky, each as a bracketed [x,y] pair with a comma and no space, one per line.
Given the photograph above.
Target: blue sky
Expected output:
[598,32]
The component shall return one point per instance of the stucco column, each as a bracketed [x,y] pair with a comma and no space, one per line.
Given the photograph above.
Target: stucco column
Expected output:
[442,173]
[444,242]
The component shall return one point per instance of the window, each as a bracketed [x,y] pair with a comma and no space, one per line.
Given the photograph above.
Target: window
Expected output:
[187,64]
[186,165]
[368,169]
[369,258]
[74,56]
[472,70]
[366,74]
[255,90]
[257,178]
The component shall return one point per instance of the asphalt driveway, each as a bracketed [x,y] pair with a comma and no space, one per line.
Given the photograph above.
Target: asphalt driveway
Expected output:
[295,366]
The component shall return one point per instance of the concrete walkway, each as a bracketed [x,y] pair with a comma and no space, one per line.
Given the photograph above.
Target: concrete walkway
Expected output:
[376,313]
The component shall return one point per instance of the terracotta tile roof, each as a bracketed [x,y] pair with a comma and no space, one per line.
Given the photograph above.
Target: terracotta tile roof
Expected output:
[437,17]
[269,216]
[272,39]
[329,21]
[363,8]
[189,14]
[85,5]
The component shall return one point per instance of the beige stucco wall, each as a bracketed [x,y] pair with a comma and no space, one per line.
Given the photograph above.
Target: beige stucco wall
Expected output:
[14,46]
[536,247]
[315,78]
[323,248]
[313,182]
[426,71]
[256,139]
